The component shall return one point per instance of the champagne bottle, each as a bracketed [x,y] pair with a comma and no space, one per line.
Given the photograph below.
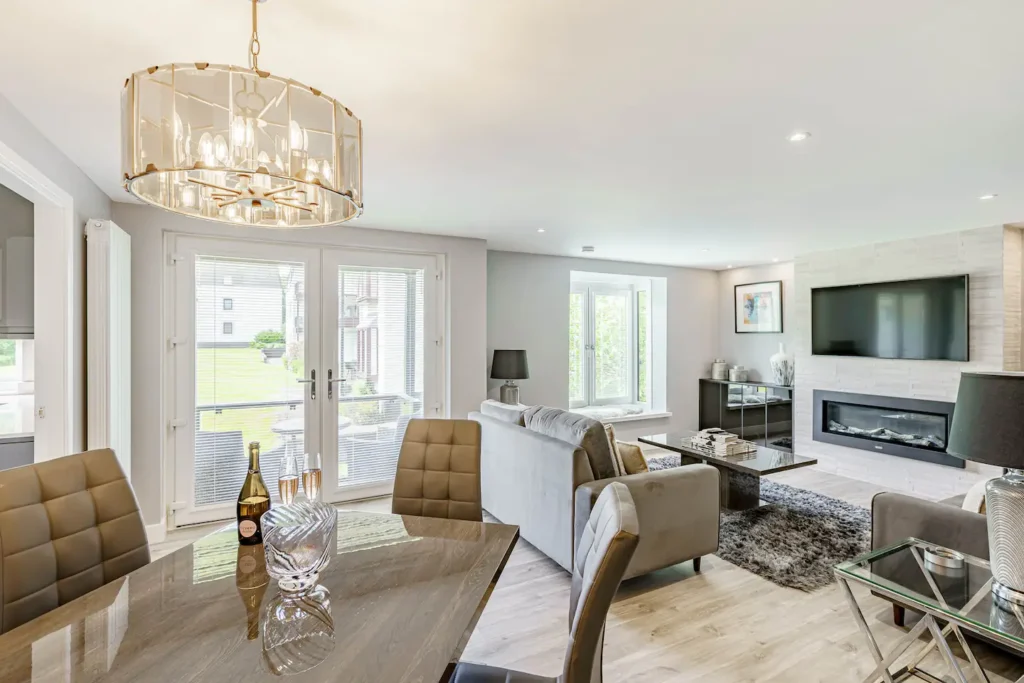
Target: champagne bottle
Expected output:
[253,501]
[251,578]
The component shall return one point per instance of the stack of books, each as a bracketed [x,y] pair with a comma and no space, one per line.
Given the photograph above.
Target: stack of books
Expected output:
[720,442]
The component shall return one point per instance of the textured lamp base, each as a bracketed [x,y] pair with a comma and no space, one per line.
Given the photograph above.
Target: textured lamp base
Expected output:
[1004,504]
[509,393]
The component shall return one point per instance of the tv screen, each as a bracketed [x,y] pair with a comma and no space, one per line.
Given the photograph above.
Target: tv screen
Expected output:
[915,319]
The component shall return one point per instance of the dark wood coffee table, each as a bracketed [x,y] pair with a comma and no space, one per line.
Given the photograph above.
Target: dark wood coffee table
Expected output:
[740,475]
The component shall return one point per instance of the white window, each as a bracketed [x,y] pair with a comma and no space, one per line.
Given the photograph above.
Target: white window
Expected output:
[610,340]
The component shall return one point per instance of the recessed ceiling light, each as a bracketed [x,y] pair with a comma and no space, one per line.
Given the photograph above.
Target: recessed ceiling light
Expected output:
[540,229]
[986,197]
[587,249]
[729,266]
[775,260]
[799,136]
[704,251]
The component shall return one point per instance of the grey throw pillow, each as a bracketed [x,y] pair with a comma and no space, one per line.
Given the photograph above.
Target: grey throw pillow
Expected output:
[503,411]
[578,430]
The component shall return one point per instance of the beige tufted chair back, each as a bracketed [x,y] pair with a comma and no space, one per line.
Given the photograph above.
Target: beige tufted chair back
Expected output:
[67,526]
[603,553]
[439,470]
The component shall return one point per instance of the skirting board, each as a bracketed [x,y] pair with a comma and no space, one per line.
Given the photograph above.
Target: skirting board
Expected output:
[157,533]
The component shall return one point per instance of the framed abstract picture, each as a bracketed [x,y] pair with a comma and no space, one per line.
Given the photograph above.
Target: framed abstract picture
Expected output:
[759,307]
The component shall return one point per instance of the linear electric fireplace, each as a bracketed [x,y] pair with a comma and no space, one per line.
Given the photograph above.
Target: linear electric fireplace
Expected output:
[906,427]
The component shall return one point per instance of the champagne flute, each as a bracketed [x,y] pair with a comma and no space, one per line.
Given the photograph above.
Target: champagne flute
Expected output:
[311,476]
[288,479]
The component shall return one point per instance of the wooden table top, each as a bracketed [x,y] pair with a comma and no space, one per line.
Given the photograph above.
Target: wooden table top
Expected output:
[404,596]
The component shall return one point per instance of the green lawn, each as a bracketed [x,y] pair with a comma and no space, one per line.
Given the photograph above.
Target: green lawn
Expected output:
[241,376]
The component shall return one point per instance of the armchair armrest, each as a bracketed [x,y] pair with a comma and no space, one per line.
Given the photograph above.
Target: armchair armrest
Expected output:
[895,516]
[678,511]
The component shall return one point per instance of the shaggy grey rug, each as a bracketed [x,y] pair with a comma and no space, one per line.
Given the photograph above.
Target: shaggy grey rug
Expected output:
[795,539]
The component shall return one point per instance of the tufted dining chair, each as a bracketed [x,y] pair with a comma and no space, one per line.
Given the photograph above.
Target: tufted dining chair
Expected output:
[605,550]
[438,471]
[67,527]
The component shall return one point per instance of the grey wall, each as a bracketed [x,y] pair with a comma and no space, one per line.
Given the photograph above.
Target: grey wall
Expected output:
[16,215]
[978,253]
[466,279]
[752,351]
[528,308]
[90,202]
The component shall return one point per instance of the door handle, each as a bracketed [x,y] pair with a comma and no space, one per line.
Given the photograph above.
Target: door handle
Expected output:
[330,383]
[312,384]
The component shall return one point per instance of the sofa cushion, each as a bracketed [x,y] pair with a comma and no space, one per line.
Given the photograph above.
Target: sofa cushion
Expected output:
[503,411]
[577,430]
[631,457]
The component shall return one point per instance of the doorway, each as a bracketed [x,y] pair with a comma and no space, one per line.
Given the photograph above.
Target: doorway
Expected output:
[305,350]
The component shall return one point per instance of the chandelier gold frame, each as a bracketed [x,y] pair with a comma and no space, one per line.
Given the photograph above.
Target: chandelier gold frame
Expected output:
[240,145]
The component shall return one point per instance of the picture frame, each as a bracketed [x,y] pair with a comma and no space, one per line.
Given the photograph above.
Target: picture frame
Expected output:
[757,307]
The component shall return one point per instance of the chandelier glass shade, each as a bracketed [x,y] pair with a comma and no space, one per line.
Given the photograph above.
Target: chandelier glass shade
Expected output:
[240,145]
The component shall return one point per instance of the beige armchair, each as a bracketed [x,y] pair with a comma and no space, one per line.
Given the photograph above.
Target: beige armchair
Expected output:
[67,527]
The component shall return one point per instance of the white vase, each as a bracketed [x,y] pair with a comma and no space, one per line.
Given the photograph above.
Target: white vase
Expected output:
[783,368]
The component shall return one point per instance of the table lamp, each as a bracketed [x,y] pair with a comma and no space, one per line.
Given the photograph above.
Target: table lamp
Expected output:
[509,366]
[988,427]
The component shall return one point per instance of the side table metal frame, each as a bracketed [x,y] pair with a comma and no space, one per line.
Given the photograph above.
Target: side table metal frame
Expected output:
[929,622]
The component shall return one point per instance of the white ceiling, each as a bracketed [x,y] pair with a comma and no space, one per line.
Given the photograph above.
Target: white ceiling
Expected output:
[653,130]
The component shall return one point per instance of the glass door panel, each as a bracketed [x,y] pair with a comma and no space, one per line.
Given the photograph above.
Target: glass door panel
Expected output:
[241,374]
[380,372]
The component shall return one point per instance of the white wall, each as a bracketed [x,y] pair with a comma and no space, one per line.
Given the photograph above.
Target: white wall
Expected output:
[978,253]
[528,308]
[466,280]
[752,351]
[90,202]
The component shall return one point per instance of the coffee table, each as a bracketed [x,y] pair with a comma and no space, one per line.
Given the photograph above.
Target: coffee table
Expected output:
[740,475]
[948,588]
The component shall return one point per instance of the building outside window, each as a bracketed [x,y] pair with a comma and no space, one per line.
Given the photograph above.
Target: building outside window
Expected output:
[228,304]
[228,328]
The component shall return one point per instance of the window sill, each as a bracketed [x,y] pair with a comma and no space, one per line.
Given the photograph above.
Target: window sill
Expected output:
[636,418]
[600,413]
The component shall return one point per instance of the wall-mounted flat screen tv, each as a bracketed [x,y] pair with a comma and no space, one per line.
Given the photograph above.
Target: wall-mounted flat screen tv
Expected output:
[914,319]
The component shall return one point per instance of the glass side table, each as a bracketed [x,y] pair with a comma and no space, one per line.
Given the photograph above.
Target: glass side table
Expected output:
[948,588]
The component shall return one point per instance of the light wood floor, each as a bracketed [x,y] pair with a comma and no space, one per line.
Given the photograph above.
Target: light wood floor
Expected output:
[723,625]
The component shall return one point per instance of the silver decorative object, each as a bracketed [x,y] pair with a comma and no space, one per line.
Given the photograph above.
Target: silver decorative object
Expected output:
[1004,505]
[783,367]
[719,369]
[298,540]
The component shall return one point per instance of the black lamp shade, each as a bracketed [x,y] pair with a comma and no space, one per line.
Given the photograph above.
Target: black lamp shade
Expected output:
[988,421]
[509,365]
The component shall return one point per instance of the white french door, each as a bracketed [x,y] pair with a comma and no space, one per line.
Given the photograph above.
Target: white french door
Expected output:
[304,349]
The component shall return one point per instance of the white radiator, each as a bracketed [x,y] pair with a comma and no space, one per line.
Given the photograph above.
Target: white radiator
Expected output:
[109,342]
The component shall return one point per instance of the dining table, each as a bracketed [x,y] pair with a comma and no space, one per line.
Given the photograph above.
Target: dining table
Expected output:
[397,602]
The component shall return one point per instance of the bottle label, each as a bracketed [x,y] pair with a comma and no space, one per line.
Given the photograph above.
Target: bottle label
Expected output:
[247,527]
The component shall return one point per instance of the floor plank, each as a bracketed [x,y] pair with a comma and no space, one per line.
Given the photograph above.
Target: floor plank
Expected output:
[723,625]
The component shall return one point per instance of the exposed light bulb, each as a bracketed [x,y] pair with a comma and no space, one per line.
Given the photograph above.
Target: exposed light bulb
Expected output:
[540,229]
[188,196]
[220,149]
[298,137]
[206,149]
[799,136]
[325,171]
[312,170]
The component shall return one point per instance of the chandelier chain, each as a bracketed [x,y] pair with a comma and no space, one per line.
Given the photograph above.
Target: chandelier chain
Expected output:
[254,41]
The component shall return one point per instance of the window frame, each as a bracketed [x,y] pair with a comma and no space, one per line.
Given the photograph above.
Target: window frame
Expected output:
[590,290]
[227,329]
[227,304]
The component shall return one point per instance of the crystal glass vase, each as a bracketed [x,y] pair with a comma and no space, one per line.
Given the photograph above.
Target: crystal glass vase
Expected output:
[298,542]
[298,631]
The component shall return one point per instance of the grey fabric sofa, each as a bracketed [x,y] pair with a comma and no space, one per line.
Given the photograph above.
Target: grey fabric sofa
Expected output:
[547,487]
[895,517]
